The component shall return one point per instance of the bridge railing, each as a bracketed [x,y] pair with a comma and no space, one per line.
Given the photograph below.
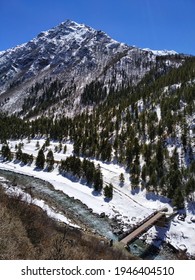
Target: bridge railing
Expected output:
[134,227]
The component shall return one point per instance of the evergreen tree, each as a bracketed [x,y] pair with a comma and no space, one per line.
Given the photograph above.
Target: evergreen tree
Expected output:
[144,172]
[50,161]
[31,159]
[174,181]
[26,158]
[152,184]
[106,151]
[60,147]
[108,191]
[19,153]
[6,152]
[47,142]
[88,168]
[190,188]
[40,160]
[178,199]
[147,152]
[98,180]
[121,179]
[159,154]
[134,174]
[37,145]
[175,160]
[65,149]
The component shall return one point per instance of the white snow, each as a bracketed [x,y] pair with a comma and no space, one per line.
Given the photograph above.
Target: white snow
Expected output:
[129,207]
[158,112]
[161,52]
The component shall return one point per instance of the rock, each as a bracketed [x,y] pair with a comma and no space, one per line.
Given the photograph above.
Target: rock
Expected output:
[182,248]
[102,242]
[117,231]
[102,215]
[192,219]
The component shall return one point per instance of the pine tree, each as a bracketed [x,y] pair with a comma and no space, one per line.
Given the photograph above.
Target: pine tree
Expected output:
[19,153]
[159,153]
[47,142]
[108,191]
[60,147]
[98,180]
[174,181]
[88,168]
[6,153]
[65,149]
[190,188]
[144,173]
[50,161]
[37,145]
[121,179]
[152,184]
[134,174]
[178,199]
[40,160]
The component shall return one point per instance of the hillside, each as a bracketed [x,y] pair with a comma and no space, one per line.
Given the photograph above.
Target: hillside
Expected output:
[148,128]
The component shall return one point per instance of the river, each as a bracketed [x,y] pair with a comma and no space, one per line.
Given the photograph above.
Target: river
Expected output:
[79,212]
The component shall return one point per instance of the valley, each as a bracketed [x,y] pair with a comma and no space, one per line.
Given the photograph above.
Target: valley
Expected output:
[109,125]
[127,207]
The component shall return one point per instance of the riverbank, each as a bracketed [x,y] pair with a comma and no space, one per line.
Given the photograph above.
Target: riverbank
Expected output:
[27,233]
[57,204]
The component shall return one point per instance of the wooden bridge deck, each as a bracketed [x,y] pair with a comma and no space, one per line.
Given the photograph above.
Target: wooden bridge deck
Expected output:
[142,228]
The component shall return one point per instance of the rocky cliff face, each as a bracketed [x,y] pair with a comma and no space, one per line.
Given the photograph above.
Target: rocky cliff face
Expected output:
[62,61]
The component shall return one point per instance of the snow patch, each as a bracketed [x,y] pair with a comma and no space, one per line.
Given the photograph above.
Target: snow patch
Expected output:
[161,52]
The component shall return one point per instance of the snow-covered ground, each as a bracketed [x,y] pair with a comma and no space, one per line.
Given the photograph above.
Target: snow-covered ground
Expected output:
[129,207]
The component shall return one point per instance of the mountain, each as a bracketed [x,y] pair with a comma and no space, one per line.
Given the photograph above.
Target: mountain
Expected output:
[55,71]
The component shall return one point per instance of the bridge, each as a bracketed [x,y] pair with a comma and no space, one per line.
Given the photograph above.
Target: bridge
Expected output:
[143,227]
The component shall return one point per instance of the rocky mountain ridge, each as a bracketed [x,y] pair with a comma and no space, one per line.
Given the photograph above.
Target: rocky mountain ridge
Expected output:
[63,61]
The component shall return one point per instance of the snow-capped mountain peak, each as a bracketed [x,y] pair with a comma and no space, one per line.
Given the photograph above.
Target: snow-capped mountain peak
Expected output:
[74,54]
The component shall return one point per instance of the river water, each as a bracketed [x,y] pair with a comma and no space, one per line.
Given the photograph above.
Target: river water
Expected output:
[151,252]
[75,208]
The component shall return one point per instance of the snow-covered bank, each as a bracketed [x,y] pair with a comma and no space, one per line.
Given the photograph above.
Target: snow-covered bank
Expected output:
[127,206]
[13,190]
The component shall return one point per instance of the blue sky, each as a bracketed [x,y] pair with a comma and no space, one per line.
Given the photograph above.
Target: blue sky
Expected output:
[156,24]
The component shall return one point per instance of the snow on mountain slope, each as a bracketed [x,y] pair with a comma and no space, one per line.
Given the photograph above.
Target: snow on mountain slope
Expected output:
[73,54]
[161,52]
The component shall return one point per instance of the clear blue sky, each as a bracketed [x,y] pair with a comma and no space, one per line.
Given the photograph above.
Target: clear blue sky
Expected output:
[156,24]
